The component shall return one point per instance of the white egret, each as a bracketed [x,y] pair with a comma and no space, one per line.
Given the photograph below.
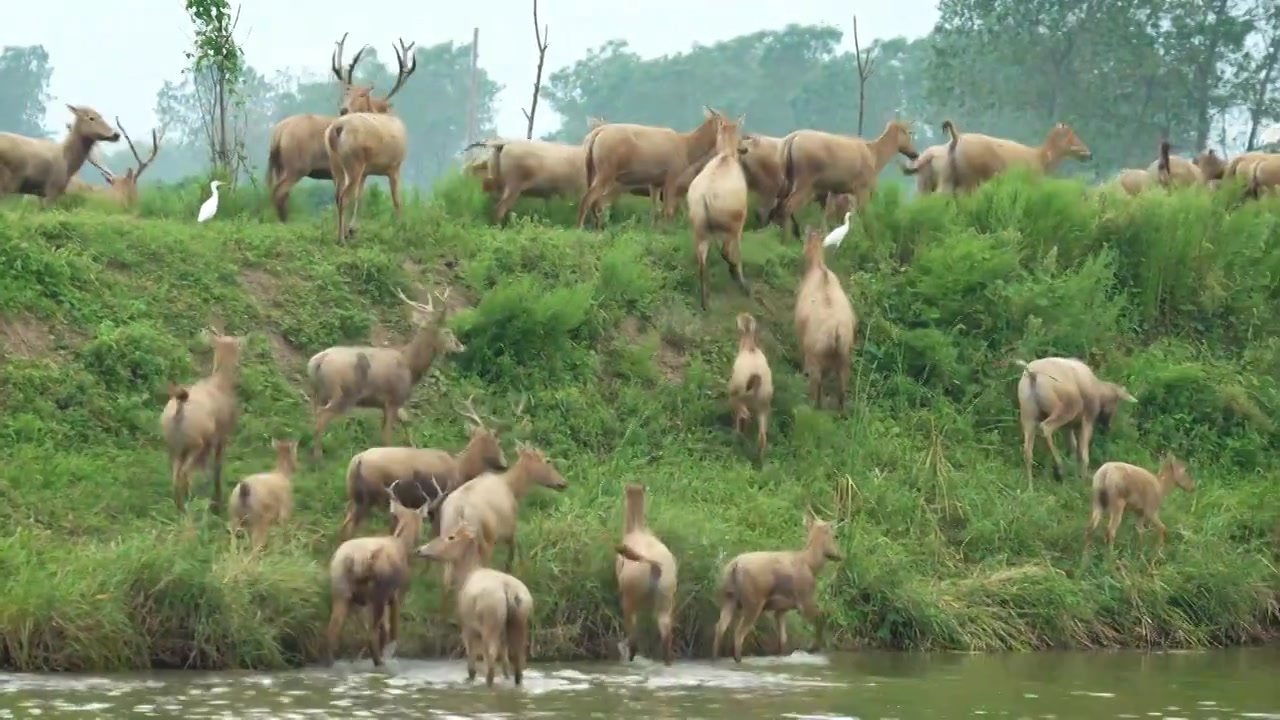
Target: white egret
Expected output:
[210,206]
[835,237]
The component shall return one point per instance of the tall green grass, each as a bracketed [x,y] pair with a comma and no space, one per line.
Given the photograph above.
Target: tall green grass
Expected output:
[946,547]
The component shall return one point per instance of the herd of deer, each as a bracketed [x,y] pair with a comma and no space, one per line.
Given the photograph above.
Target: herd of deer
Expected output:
[472,497]
[838,171]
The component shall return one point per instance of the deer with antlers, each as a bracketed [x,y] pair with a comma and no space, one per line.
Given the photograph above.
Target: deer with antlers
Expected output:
[361,144]
[345,377]
[123,189]
[297,149]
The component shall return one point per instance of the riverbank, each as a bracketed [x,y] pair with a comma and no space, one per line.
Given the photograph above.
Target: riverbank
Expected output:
[945,545]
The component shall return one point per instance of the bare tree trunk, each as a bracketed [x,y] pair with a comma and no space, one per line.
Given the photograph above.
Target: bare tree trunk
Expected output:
[1264,84]
[475,78]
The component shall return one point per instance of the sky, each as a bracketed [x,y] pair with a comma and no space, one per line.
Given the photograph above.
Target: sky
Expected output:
[118,71]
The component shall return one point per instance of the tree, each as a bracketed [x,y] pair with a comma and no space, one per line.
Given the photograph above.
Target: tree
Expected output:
[24,89]
[218,71]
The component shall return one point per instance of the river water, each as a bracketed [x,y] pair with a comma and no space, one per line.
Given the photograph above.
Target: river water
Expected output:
[1238,683]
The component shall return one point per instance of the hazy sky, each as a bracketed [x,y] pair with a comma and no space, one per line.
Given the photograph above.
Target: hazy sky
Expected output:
[117,62]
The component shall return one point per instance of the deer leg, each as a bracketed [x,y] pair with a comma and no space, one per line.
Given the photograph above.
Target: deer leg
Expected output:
[762,432]
[731,251]
[780,620]
[629,626]
[1028,443]
[355,204]
[338,616]
[669,199]
[809,608]
[388,417]
[215,502]
[510,194]
[339,198]
[393,184]
[842,376]
[1113,522]
[746,621]
[588,201]
[701,247]
[1095,516]
[814,370]
[280,195]
[323,417]
[377,631]
[179,496]
[1061,416]
[1082,448]
[722,625]
[665,633]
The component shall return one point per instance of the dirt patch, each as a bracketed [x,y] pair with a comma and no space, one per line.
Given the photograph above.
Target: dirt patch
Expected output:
[670,355]
[262,286]
[632,328]
[672,362]
[287,357]
[25,337]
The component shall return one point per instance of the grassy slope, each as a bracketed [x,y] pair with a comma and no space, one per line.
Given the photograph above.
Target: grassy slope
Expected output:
[946,547]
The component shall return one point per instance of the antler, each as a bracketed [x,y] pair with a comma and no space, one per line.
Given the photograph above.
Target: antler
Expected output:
[444,297]
[469,411]
[408,63]
[336,64]
[155,148]
[107,174]
[429,307]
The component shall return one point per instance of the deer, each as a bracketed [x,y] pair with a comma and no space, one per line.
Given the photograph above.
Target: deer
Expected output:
[123,189]
[361,144]
[43,168]
[297,149]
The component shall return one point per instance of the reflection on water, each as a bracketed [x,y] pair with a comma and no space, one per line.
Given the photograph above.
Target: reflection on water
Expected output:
[1200,685]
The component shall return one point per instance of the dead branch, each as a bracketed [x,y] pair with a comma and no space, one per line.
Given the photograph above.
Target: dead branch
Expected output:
[539,36]
[866,66]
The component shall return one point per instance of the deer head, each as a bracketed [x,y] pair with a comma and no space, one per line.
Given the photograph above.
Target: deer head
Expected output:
[126,186]
[359,98]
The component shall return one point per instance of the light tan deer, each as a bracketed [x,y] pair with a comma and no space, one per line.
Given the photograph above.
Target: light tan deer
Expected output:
[361,144]
[123,189]
[44,168]
[297,149]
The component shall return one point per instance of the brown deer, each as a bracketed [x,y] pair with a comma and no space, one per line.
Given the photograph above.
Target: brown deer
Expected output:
[123,189]
[43,168]
[297,148]
[361,144]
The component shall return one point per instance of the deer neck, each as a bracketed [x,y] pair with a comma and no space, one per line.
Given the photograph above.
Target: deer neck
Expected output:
[812,556]
[226,374]
[633,518]
[420,352]
[1050,156]
[469,462]
[747,343]
[285,467]
[1164,479]
[518,479]
[883,149]
[407,531]
[466,563]
[75,150]
[699,142]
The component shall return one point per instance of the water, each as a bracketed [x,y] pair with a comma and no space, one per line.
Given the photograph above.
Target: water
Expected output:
[1222,684]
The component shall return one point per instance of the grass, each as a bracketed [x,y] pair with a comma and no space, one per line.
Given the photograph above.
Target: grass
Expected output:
[946,546]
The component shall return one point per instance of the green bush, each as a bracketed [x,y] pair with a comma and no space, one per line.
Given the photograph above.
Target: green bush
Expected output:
[1172,295]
